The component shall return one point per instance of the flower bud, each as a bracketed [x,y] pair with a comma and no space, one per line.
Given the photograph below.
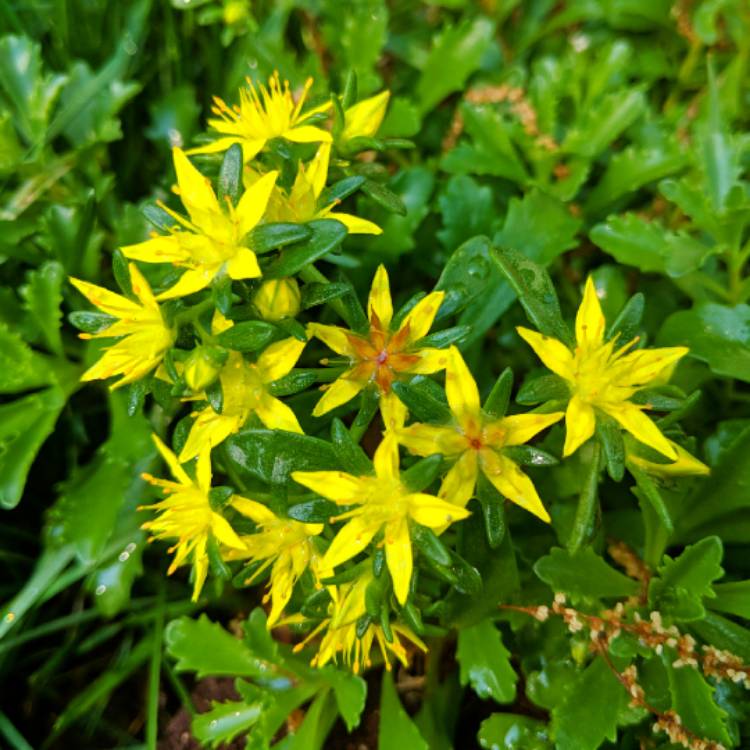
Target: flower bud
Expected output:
[202,366]
[277,299]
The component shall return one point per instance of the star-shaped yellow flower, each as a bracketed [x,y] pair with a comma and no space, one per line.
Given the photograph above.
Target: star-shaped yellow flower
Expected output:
[476,442]
[382,355]
[210,242]
[364,118]
[186,516]
[384,504]
[301,203]
[686,464]
[341,637]
[284,544]
[145,335]
[261,117]
[245,391]
[602,378]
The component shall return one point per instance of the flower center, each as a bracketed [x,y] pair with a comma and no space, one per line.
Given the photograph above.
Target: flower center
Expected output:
[475,443]
[382,357]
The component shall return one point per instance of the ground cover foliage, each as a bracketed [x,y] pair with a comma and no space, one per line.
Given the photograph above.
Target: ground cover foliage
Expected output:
[375,374]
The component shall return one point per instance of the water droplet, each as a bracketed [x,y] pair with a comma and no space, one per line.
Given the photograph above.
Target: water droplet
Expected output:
[123,556]
[129,45]
[130,548]
[252,63]
[10,617]
[477,267]
[100,589]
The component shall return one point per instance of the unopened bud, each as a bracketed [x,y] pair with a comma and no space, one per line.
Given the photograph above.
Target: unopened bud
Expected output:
[202,367]
[277,299]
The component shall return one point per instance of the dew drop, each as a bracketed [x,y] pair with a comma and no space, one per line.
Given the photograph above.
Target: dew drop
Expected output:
[100,589]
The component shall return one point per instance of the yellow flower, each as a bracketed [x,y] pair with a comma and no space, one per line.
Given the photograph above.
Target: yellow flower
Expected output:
[602,378]
[341,637]
[365,117]
[261,117]
[245,391]
[185,515]
[384,503]
[476,442]
[686,464]
[301,203]
[383,355]
[146,337]
[283,543]
[277,299]
[210,242]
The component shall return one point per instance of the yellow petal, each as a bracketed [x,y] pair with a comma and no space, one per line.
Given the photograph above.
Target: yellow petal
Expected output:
[162,249]
[460,386]
[432,511]
[109,302]
[512,483]
[580,423]
[200,569]
[459,483]
[520,428]
[590,322]
[632,418]
[430,361]
[317,169]
[254,510]
[190,282]
[141,288]
[380,301]
[553,353]
[686,464]
[364,118]
[354,224]
[426,440]
[338,393]
[334,337]
[308,134]
[196,192]
[276,415]
[643,366]
[350,541]
[243,265]
[279,359]
[171,460]
[220,144]
[224,532]
[386,459]
[203,469]
[398,557]
[209,429]
[421,317]
[338,486]
[393,411]
[253,203]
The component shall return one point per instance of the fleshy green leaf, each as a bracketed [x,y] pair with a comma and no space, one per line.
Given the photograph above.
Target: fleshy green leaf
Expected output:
[485,662]
[396,728]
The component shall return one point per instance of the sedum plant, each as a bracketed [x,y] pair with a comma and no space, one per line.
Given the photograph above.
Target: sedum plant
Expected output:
[407,404]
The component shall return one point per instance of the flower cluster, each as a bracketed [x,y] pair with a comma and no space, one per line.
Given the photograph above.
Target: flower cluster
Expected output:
[233,272]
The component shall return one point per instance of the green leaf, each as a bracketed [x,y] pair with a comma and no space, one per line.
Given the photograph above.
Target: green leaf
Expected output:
[716,334]
[683,582]
[30,92]
[589,712]
[230,175]
[485,662]
[350,691]
[455,55]
[423,473]
[493,510]
[396,729]
[248,336]
[600,125]
[272,455]
[327,235]
[583,574]
[24,426]
[513,732]
[496,404]
[425,399]
[535,291]
[724,634]
[204,647]
[733,598]
[429,544]
[21,369]
[384,197]
[350,455]
[42,297]
[275,235]
[650,247]
[224,721]
[313,511]
[693,700]
[467,209]
[318,294]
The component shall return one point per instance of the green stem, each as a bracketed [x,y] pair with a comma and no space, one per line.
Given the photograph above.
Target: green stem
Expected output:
[12,735]
[180,689]
[583,525]
[189,315]
[152,705]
